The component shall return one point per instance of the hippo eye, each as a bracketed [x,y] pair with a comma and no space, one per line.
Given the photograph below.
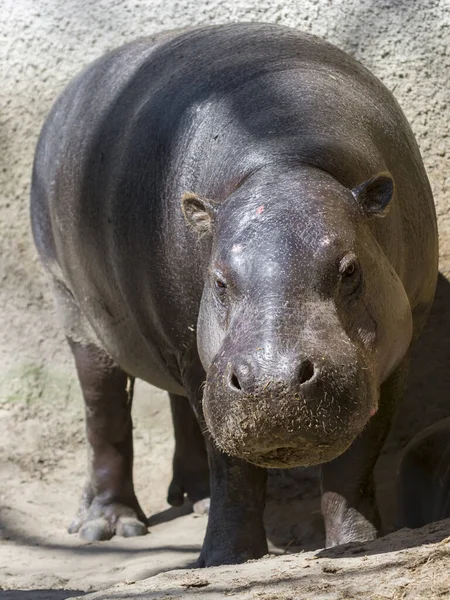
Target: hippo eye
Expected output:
[349,270]
[351,278]
[348,266]
[220,284]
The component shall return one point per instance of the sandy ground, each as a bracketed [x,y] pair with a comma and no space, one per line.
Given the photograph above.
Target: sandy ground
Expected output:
[44,469]
[40,561]
[42,460]
[400,566]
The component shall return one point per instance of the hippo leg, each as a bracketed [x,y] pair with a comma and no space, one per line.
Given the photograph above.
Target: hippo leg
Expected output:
[235,531]
[348,492]
[109,505]
[415,487]
[190,460]
[424,477]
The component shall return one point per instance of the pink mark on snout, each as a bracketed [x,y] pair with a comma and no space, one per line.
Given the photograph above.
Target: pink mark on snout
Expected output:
[373,411]
[260,209]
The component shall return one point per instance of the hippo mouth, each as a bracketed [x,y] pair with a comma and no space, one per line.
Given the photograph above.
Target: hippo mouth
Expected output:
[287,457]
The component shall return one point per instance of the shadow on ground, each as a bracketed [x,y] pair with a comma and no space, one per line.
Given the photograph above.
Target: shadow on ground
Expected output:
[40,594]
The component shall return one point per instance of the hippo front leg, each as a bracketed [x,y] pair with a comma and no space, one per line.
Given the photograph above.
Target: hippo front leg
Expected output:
[235,531]
[109,505]
[348,491]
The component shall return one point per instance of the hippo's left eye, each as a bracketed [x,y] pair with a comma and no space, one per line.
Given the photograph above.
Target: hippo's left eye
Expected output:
[349,270]
[220,285]
[348,266]
[350,273]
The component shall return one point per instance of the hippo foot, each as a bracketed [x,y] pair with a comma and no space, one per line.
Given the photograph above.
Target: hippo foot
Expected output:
[193,482]
[230,545]
[202,507]
[353,528]
[213,557]
[100,522]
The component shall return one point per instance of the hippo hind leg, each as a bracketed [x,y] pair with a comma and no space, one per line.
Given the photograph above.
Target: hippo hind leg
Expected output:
[108,505]
[190,460]
[424,477]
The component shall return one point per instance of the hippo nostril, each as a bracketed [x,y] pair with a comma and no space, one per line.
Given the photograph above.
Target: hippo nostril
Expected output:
[234,381]
[306,371]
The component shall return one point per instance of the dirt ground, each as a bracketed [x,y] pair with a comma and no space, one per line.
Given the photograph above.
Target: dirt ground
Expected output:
[40,561]
[42,459]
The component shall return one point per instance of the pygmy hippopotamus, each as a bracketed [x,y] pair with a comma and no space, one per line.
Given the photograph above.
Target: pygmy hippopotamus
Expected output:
[239,215]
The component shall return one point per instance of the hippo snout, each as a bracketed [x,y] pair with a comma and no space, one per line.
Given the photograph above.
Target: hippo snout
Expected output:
[287,410]
[244,376]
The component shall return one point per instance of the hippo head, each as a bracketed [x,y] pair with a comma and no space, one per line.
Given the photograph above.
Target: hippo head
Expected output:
[302,315]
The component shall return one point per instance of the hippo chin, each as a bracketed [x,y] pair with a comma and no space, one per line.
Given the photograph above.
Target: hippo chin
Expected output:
[240,216]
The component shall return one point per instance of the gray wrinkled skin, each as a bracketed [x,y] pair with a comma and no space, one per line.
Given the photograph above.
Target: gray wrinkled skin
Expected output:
[238,215]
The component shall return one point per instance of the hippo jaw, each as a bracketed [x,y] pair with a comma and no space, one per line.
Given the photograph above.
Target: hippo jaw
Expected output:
[286,458]
[302,456]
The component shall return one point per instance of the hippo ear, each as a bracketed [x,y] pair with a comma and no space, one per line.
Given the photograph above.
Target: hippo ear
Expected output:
[198,212]
[375,195]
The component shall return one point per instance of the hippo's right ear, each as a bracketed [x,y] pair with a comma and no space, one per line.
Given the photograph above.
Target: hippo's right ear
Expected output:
[375,194]
[198,212]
